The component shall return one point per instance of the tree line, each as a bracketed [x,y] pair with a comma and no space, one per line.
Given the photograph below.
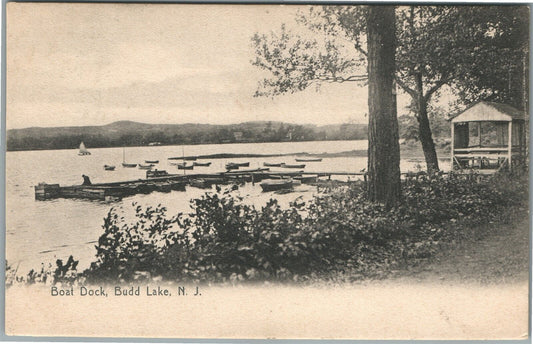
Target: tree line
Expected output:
[141,135]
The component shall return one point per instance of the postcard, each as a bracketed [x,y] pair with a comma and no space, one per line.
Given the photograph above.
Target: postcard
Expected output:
[261,171]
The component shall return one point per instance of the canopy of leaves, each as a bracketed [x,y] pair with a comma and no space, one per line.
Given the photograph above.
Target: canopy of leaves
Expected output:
[469,47]
[296,62]
[499,68]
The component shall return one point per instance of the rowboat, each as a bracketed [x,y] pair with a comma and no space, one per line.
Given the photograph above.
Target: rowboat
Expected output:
[156,173]
[242,164]
[307,179]
[293,166]
[262,169]
[271,164]
[308,159]
[151,161]
[232,166]
[145,167]
[207,182]
[163,187]
[177,185]
[200,183]
[83,150]
[109,167]
[185,167]
[276,184]
[201,163]
[128,165]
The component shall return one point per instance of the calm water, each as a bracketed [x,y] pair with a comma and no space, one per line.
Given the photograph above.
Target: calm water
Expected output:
[42,231]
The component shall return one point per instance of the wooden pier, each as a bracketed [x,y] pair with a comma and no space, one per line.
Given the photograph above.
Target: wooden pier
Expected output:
[164,182]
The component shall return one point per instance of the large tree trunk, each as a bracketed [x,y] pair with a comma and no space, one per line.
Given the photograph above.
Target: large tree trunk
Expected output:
[383,147]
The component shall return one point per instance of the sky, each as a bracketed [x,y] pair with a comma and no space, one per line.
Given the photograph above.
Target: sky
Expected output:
[93,64]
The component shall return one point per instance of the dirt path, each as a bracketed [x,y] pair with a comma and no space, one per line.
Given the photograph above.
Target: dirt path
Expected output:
[496,253]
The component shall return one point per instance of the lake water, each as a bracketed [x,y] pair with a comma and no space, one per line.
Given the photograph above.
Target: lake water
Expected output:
[42,231]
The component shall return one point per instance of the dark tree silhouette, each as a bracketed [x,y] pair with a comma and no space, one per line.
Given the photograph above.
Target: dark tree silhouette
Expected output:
[383,147]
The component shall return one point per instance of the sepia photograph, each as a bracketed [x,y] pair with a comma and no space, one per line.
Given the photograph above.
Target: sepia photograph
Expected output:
[267,171]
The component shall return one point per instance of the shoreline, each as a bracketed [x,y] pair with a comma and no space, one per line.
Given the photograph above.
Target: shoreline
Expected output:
[406,151]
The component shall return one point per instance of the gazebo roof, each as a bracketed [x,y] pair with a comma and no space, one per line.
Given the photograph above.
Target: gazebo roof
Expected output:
[489,111]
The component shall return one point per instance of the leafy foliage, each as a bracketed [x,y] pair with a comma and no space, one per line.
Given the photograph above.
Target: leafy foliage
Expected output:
[337,233]
[297,62]
[499,68]
[65,274]
[440,126]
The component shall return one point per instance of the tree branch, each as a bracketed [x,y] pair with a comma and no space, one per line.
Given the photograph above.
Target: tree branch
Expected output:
[435,87]
[360,50]
[406,88]
[361,77]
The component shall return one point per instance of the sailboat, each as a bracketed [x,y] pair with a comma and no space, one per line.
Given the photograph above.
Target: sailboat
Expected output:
[83,150]
[183,165]
[124,164]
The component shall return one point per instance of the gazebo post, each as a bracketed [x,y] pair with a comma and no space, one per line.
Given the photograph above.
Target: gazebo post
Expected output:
[510,146]
[452,145]
[479,133]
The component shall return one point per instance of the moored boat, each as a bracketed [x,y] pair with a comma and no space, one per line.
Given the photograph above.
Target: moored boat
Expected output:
[184,166]
[293,166]
[271,164]
[156,173]
[307,179]
[261,169]
[276,184]
[151,161]
[124,163]
[232,166]
[146,167]
[236,165]
[200,183]
[308,159]
[177,185]
[201,164]
[163,187]
[109,167]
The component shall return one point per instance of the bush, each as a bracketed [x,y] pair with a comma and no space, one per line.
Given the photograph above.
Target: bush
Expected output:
[338,232]
[63,274]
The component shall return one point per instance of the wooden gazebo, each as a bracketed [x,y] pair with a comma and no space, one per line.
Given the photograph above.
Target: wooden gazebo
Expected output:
[487,137]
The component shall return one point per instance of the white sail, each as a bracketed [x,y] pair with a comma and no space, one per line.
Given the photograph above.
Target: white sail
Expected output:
[83,150]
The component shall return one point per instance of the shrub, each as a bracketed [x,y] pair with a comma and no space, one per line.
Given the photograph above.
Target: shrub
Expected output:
[337,232]
[63,274]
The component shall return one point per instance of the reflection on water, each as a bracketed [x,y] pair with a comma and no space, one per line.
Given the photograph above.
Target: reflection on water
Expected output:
[42,231]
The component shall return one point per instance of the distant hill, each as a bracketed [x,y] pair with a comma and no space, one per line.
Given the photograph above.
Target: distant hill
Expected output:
[128,133]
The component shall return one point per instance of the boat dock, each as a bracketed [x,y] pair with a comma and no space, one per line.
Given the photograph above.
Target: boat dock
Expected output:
[161,181]
[167,183]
